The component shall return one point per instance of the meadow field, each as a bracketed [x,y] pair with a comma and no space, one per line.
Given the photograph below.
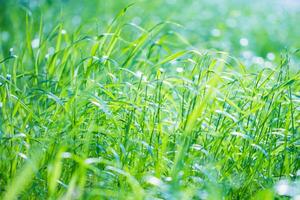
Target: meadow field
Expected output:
[161,99]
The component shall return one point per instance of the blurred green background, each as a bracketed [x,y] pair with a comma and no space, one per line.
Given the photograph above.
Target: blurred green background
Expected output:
[254,31]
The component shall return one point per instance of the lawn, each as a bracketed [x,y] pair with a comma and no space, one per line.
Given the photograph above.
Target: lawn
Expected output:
[174,99]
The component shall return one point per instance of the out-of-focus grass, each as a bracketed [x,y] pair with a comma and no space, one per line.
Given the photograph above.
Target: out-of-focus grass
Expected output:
[268,26]
[168,99]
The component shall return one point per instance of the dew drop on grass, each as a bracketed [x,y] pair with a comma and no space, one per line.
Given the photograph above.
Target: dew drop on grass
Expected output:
[91,160]
[258,60]
[259,148]
[138,74]
[11,51]
[162,70]
[239,134]
[66,155]
[20,135]
[35,43]
[282,187]
[168,179]
[8,76]
[179,69]
[244,42]
[298,173]
[105,57]
[63,32]
[227,114]
[271,56]
[154,181]
[22,155]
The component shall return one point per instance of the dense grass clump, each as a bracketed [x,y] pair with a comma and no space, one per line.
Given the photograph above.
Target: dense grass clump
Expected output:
[137,112]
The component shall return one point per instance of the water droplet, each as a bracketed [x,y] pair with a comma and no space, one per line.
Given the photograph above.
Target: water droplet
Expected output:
[239,134]
[22,135]
[162,70]
[154,181]
[138,74]
[271,56]
[11,51]
[168,179]
[244,42]
[298,173]
[91,160]
[66,155]
[35,43]
[179,69]
[282,187]
[63,32]
[22,155]
[258,60]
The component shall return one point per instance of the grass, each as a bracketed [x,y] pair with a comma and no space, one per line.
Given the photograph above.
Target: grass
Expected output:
[116,110]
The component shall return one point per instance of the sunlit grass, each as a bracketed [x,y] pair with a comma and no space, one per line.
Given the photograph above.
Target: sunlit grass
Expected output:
[131,112]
